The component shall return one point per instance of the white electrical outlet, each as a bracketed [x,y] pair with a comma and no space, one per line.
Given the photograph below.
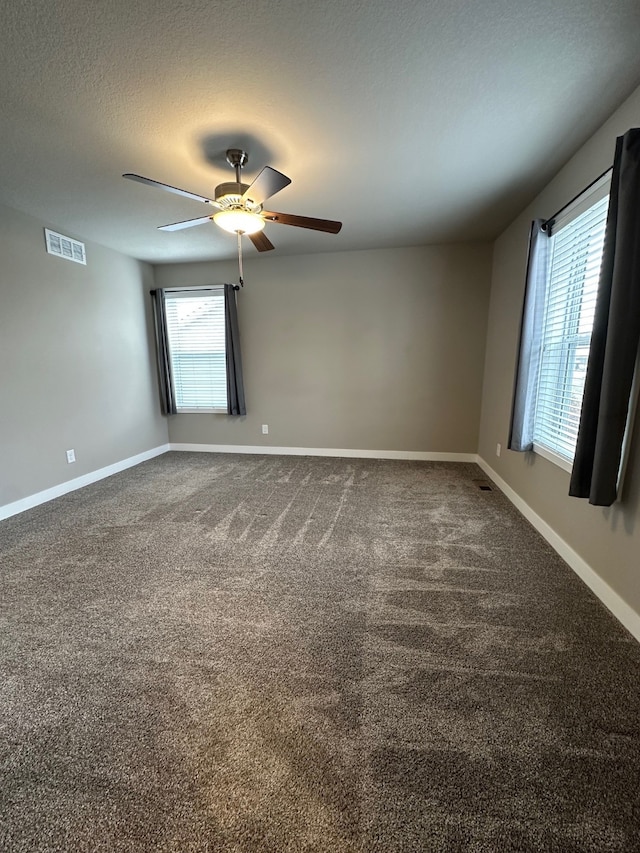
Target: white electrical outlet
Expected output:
[498,449]
[265,429]
[71,456]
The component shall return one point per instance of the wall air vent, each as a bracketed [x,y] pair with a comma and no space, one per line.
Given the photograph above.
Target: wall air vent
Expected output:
[65,247]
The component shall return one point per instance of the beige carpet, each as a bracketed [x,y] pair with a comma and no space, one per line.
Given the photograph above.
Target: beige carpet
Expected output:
[248,654]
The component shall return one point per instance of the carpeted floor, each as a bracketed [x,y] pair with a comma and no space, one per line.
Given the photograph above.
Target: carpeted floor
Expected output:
[258,654]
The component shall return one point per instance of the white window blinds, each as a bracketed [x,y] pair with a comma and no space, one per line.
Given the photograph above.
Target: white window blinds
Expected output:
[196,337]
[576,254]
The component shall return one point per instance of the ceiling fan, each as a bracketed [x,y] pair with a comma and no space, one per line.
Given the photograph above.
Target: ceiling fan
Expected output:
[240,206]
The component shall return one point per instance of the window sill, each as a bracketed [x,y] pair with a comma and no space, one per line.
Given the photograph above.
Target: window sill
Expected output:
[550,456]
[201,412]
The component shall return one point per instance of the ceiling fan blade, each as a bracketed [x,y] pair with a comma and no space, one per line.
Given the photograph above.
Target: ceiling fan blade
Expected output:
[268,183]
[166,187]
[327,225]
[188,223]
[261,241]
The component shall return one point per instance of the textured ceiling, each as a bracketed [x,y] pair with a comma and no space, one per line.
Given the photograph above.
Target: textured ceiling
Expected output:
[415,121]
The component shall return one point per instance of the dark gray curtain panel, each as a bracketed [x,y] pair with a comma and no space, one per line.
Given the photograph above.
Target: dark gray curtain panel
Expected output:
[235,382]
[167,396]
[615,337]
[524,395]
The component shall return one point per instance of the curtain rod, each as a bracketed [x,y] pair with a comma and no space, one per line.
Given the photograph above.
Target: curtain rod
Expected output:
[197,287]
[551,219]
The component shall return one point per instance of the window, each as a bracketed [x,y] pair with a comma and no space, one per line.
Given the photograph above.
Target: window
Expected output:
[575,252]
[197,354]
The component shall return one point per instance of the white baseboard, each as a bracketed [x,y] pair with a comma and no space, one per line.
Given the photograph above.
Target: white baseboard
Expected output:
[71,485]
[611,600]
[418,455]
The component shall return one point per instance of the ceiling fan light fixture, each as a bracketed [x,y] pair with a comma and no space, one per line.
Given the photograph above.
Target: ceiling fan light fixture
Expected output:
[239,221]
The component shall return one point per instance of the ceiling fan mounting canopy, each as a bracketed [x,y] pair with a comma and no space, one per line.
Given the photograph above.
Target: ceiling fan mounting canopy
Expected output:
[237,158]
[240,206]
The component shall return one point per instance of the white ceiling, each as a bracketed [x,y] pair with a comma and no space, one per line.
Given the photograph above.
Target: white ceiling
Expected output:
[413,122]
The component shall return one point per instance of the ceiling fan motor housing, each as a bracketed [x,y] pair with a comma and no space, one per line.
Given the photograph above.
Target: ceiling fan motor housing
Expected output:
[230,194]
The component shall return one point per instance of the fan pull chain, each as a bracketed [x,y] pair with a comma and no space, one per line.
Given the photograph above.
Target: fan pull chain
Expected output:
[240,278]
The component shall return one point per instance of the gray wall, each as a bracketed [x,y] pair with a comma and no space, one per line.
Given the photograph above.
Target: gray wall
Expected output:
[75,361]
[377,350]
[609,539]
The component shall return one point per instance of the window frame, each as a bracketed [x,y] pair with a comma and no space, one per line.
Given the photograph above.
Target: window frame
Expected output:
[184,292]
[581,204]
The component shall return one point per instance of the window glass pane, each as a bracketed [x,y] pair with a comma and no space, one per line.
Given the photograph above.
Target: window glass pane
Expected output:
[568,321]
[196,333]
